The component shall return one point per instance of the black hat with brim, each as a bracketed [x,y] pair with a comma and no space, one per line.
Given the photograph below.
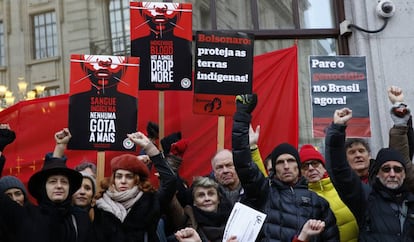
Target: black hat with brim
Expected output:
[54,166]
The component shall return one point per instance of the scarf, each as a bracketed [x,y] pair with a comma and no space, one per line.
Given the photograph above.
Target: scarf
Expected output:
[119,203]
[59,218]
[232,195]
[395,195]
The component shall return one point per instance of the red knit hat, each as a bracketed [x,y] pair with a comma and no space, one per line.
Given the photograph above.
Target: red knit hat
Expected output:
[130,163]
[309,152]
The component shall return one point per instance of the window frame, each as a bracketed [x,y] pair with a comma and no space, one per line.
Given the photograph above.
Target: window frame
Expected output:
[51,44]
[125,35]
[297,32]
[3,61]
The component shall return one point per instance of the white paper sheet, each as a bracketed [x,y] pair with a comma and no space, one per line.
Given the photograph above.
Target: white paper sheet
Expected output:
[244,222]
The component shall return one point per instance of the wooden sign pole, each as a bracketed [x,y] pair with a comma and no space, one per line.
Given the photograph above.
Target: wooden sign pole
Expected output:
[220,132]
[161,114]
[100,168]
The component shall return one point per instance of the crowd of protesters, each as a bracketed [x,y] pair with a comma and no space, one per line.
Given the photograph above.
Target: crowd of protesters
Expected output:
[341,195]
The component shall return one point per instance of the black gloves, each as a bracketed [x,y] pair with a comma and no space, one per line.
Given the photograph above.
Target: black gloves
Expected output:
[6,137]
[246,102]
[152,130]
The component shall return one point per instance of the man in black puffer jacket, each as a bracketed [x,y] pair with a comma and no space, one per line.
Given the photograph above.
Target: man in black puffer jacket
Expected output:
[284,195]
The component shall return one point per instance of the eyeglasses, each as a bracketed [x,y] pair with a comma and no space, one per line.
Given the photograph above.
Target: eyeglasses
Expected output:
[396,169]
[313,163]
[289,160]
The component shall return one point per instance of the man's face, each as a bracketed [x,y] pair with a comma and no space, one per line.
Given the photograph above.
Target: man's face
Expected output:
[16,195]
[206,199]
[358,158]
[391,174]
[83,196]
[57,188]
[313,170]
[287,169]
[224,170]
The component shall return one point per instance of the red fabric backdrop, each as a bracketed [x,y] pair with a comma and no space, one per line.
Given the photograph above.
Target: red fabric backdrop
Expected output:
[275,81]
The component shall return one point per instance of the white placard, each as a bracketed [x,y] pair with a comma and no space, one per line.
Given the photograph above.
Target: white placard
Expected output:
[244,222]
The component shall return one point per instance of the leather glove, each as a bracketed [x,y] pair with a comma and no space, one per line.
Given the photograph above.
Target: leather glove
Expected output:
[246,102]
[400,114]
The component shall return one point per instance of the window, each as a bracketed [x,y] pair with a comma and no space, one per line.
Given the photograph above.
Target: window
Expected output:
[2,46]
[52,91]
[317,14]
[119,22]
[45,35]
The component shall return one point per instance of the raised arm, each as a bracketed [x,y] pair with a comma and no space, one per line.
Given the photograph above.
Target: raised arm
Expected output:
[400,114]
[168,178]
[251,178]
[62,138]
[347,183]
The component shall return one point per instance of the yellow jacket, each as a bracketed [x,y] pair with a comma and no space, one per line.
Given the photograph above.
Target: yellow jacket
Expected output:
[347,225]
[257,159]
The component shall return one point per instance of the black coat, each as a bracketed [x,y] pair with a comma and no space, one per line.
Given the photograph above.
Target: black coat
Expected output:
[47,222]
[142,219]
[287,207]
[140,223]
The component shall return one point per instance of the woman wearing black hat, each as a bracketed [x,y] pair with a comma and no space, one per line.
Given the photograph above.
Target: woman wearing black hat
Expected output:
[52,220]
[129,206]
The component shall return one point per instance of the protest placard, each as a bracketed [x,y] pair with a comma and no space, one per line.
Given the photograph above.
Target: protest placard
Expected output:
[161,35]
[223,69]
[103,102]
[338,82]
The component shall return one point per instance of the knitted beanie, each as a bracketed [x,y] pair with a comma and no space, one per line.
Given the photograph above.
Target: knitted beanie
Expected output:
[284,148]
[91,178]
[130,163]
[7,182]
[388,154]
[308,152]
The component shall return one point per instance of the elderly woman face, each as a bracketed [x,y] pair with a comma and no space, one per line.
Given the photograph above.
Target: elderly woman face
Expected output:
[206,198]
[57,188]
[83,196]
[125,180]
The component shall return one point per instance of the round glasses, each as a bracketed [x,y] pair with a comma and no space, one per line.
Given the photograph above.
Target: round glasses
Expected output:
[313,163]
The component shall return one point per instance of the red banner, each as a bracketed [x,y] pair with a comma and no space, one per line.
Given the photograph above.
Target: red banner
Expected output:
[276,83]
